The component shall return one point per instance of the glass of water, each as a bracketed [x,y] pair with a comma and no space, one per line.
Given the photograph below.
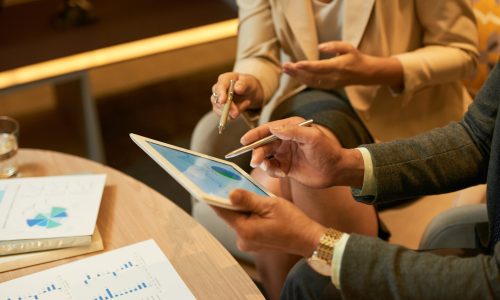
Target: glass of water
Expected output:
[9,135]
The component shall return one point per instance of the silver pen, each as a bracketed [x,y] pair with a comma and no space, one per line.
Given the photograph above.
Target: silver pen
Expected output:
[227,106]
[260,142]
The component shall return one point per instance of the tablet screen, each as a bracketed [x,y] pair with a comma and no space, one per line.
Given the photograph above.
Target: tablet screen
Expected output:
[211,176]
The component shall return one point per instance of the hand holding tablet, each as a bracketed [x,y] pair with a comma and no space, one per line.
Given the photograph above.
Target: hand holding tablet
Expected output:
[207,178]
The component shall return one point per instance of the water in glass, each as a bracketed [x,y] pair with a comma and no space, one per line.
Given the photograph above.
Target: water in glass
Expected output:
[8,150]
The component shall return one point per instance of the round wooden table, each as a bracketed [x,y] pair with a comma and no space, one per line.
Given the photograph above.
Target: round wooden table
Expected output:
[132,212]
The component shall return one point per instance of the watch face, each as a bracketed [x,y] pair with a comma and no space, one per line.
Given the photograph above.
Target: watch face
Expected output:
[320,266]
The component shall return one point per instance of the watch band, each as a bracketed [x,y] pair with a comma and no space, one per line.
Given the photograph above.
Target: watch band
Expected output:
[326,246]
[321,260]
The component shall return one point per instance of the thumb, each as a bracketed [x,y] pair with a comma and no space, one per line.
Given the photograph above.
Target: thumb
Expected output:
[241,87]
[335,47]
[249,201]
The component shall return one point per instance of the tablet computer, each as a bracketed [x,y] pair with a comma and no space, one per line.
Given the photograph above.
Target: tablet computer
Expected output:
[207,178]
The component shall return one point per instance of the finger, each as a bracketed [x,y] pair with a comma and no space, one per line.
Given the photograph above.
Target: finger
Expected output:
[241,86]
[250,202]
[243,105]
[298,134]
[262,153]
[275,168]
[314,67]
[290,69]
[255,134]
[217,108]
[231,217]
[214,98]
[247,246]
[219,90]
[263,131]
[311,78]
[335,47]
[222,85]
[233,110]
[311,67]
[237,221]
[239,108]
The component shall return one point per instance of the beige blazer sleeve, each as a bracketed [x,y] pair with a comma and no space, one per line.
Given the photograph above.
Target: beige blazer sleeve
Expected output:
[258,51]
[449,36]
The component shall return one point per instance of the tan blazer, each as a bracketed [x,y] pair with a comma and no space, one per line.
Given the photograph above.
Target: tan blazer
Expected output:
[435,40]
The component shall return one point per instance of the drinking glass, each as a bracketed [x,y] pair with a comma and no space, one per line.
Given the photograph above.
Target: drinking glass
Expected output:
[9,135]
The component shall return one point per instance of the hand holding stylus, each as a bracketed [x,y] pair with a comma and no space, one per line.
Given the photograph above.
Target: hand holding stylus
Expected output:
[311,155]
[260,142]
[247,93]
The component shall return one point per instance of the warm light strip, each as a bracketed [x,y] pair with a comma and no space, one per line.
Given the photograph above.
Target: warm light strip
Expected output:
[119,53]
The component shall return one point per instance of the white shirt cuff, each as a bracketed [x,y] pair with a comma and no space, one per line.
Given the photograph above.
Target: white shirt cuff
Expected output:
[369,188]
[369,185]
[338,252]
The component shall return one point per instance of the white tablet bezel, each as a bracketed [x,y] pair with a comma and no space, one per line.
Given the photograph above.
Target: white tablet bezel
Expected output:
[189,185]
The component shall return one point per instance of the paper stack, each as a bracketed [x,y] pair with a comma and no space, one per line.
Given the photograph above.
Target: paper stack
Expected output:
[42,213]
[138,271]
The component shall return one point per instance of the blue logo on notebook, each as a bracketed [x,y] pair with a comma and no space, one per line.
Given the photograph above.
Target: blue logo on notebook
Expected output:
[52,220]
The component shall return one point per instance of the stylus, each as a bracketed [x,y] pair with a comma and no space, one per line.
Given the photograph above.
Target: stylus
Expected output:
[227,106]
[260,142]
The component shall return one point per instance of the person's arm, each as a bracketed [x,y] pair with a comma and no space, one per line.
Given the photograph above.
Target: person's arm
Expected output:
[449,50]
[384,271]
[258,52]
[440,161]
[443,159]
[454,155]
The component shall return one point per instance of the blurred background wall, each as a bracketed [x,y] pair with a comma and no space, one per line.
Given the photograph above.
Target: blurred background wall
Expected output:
[160,96]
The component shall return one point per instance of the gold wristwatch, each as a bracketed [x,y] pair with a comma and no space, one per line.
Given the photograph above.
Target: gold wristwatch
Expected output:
[321,260]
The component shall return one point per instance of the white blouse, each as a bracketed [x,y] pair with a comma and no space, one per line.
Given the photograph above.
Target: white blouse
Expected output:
[329,18]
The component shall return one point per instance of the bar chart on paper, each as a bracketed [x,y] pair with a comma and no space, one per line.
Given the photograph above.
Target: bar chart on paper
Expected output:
[139,271]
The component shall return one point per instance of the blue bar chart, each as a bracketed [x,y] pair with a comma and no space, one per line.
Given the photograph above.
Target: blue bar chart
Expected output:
[139,271]
[52,290]
[113,273]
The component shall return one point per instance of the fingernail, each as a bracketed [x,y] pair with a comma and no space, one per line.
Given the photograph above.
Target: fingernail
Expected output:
[280,173]
[253,164]
[263,166]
